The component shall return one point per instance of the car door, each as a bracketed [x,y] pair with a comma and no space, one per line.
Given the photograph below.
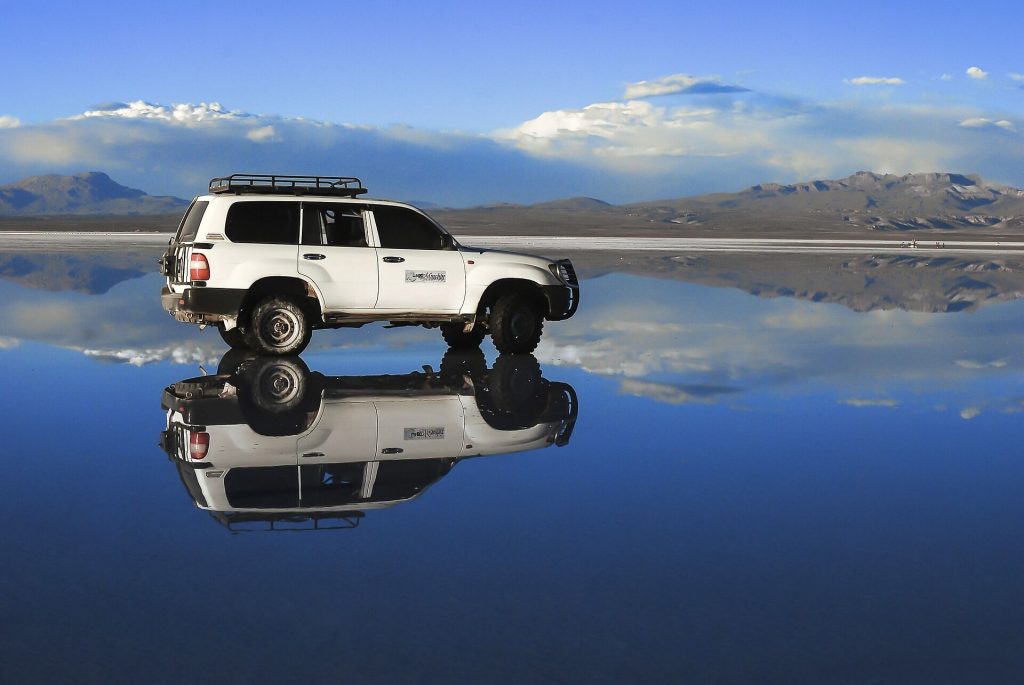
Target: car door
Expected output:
[418,270]
[431,426]
[345,431]
[334,253]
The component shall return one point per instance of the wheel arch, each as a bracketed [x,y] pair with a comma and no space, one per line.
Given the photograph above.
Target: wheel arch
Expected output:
[506,286]
[305,294]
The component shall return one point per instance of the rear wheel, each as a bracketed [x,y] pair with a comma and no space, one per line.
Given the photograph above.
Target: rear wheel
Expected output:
[233,359]
[277,395]
[454,334]
[278,326]
[235,338]
[278,385]
[516,324]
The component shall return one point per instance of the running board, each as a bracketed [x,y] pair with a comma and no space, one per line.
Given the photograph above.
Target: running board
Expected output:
[346,318]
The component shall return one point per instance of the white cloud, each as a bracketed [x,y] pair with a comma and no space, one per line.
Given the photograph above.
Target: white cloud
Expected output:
[619,150]
[180,354]
[639,327]
[973,364]
[760,137]
[175,149]
[679,83]
[800,318]
[663,86]
[859,402]
[898,155]
[876,81]
[7,121]
[977,73]
[982,122]
[1016,76]
[672,394]
[182,113]
[262,134]
[623,134]
[969,413]
[8,343]
[946,77]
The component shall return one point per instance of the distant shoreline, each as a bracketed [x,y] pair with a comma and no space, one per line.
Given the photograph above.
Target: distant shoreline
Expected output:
[119,240]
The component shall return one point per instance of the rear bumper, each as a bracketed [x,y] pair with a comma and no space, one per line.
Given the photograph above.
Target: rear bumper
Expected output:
[202,305]
[562,300]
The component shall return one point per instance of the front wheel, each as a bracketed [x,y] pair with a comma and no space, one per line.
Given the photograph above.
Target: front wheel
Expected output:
[235,338]
[516,324]
[278,327]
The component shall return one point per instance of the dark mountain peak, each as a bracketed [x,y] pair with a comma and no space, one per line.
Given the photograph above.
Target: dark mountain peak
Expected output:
[941,178]
[90,192]
[88,186]
[867,181]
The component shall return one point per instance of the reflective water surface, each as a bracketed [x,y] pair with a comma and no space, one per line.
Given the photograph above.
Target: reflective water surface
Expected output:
[687,483]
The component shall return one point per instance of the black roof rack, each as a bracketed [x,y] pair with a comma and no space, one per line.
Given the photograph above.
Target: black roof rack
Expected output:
[274,184]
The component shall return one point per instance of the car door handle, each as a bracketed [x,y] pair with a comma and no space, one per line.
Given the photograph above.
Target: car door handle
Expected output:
[314,256]
[313,454]
[392,450]
[394,260]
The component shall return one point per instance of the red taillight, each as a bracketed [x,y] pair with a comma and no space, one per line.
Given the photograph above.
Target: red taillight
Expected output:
[198,445]
[198,268]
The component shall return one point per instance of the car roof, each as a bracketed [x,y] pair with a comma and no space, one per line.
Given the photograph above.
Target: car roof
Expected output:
[246,197]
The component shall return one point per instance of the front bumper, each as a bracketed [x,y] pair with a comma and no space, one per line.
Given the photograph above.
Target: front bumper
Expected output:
[202,305]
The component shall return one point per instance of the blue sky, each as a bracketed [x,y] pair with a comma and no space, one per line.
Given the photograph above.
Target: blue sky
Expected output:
[543,99]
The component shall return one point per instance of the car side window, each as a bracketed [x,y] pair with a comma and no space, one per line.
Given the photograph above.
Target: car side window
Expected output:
[335,225]
[401,228]
[276,223]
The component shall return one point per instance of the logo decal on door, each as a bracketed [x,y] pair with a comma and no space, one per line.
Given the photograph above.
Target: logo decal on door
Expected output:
[424,433]
[413,276]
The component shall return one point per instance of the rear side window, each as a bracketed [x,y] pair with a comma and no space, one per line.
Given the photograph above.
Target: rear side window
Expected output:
[190,222]
[400,228]
[262,487]
[335,225]
[276,223]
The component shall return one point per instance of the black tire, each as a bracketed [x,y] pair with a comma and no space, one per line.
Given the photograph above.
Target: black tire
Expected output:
[457,339]
[458,363]
[277,395]
[516,324]
[277,385]
[516,394]
[235,338]
[233,359]
[278,326]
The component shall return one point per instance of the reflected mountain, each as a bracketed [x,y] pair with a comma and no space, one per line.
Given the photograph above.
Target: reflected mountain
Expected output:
[925,282]
[267,444]
[864,283]
[93,274]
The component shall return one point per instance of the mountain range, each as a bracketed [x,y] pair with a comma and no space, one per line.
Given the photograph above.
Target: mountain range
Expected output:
[92,192]
[876,201]
[864,201]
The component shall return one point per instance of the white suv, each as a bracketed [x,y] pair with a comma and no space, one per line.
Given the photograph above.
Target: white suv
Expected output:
[269,258]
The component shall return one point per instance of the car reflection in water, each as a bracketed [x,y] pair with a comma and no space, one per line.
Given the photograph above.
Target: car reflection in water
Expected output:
[266,444]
